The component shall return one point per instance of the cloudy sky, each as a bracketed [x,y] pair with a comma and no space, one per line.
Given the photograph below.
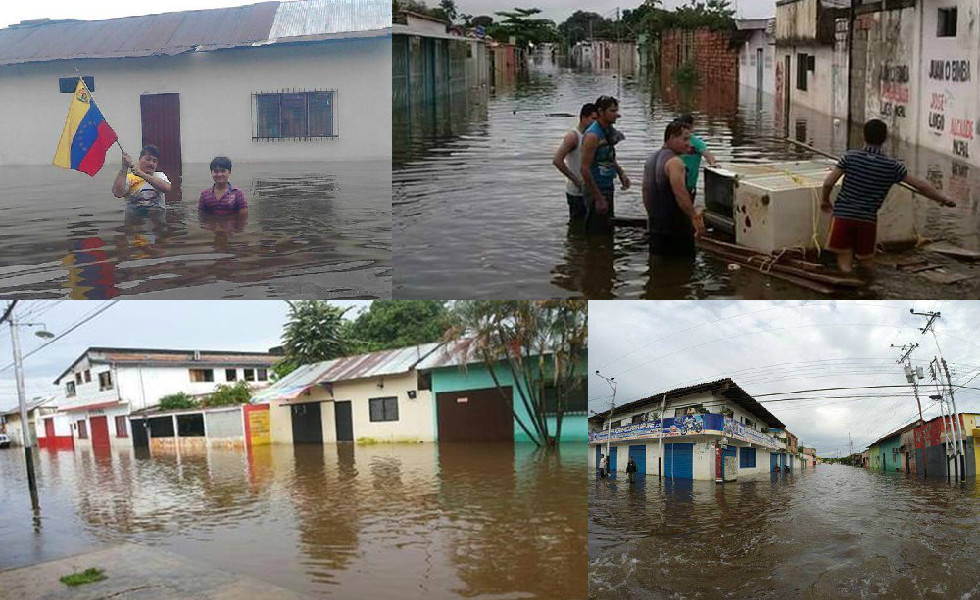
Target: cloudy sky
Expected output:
[12,12]
[767,347]
[248,325]
[559,10]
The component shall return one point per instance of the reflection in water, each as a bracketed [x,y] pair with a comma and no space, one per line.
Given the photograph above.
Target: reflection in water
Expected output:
[337,520]
[833,532]
[480,210]
[313,231]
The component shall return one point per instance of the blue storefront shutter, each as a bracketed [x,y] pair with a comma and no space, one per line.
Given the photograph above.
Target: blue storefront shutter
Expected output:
[639,454]
[679,461]
[612,460]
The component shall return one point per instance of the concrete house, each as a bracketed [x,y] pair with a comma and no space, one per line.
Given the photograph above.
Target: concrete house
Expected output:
[274,81]
[711,431]
[470,407]
[39,412]
[931,456]
[756,56]
[103,386]
[373,397]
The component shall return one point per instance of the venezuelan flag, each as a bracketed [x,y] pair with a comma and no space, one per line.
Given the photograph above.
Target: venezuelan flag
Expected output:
[87,135]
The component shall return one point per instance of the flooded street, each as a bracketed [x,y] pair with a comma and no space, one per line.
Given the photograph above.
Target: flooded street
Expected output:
[312,231]
[479,210]
[832,532]
[344,521]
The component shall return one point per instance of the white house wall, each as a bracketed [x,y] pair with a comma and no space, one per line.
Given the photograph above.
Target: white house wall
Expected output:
[703,457]
[748,55]
[416,417]
[950,84]
[215,100]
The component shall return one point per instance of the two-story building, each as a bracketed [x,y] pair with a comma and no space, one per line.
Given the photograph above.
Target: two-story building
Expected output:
[783,459]
[103,385]
[712,431]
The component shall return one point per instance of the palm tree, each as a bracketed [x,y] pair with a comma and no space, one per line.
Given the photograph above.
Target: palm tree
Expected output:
[539,344]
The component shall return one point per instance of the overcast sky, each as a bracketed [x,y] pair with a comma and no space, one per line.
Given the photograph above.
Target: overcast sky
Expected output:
[651,347]
[559,10]
[12,12]
[248,325]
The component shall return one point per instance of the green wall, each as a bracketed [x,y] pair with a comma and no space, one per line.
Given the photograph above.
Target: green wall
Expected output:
[476,376]
[891,460]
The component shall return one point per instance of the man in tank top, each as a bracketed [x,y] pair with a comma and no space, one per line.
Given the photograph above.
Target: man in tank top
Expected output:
[568,160]
[599,166]
[672,221]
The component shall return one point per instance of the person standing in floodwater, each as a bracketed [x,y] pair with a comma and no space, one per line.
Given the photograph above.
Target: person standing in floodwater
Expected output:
[141,184]
[568,160]
[673,223]
[868,176]
[603,465]
[599,167]
[631,470]
[692,160]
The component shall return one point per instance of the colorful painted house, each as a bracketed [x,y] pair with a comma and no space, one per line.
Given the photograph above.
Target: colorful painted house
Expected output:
[372,397]
[470,406]
[710,431]
[930,452]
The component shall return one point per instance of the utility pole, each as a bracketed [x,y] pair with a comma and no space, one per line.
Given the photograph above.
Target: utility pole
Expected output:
[21,396]
[612,404]
[910,373]
[957,427]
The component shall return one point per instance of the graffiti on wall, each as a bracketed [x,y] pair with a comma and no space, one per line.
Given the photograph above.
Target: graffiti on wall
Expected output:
[894,90]
[945,116]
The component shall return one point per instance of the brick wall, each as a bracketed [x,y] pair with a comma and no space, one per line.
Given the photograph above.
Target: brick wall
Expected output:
[709,51]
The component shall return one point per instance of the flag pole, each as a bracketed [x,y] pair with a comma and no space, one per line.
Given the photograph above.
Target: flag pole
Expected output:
[80,78]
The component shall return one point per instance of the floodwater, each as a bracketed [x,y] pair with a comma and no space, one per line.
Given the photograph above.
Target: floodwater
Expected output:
[335,521]
[479,210]
[313,230]
[830,532]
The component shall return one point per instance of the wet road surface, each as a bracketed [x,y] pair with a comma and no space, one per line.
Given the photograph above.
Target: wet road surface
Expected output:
[479,210]
[312,231]
[830,532]
[338,521]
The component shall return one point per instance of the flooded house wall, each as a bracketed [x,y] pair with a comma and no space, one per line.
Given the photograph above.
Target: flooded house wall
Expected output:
[416,416]
[119,433]
[709,52]
[215,92]
[949,120]
[476,377]
[60,427]
[758,43]
[281,420]
[426,68]
[225,427]
[892,70]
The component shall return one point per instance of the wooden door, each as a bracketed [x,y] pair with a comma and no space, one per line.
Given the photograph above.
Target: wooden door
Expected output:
[475,415]
[343,420]
[100,432]
[160,116]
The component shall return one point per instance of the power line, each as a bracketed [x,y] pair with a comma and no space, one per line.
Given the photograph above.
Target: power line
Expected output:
[85,319]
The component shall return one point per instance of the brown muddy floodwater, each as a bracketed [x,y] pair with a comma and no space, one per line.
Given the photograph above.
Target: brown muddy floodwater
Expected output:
[313,230]
[335,521]
[480,212]
[829,533]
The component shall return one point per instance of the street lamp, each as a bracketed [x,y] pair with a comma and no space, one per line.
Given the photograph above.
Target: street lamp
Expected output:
[612,404]
[22,397]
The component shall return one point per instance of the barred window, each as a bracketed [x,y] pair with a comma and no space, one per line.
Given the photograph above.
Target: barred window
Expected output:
[383,409]
[294,115]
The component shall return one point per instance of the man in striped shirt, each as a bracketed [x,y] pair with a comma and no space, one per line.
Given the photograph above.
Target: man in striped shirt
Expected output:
[868,176]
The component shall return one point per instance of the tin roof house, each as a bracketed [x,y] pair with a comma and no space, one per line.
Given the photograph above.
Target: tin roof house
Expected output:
[274,81]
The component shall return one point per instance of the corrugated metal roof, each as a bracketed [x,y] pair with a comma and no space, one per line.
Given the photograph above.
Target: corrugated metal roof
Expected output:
[373,364]
[320,17]
[292,385]
[199,30]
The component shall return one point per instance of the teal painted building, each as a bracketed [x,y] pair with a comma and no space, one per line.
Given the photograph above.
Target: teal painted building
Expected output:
[467,399]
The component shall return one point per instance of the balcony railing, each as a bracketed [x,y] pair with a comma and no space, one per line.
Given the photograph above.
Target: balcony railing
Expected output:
[707,424]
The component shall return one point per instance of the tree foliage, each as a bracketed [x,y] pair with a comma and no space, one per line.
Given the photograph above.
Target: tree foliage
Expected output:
[239,392]
[521,24]
[177,401]
[387,324]
[316,331]
[538,343]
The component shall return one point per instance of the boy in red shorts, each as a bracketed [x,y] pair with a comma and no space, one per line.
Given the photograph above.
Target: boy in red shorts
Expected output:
[869,176]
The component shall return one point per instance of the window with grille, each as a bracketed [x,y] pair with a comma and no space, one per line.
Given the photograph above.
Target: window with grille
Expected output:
[82,429]
[231,374]
[105,381]
[383,409]
[70,389]
[121,430]
[294,115]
